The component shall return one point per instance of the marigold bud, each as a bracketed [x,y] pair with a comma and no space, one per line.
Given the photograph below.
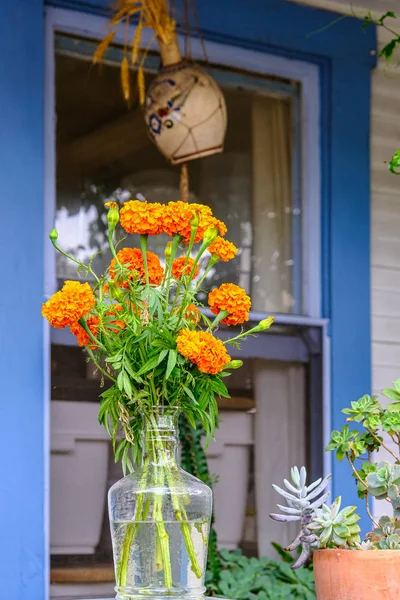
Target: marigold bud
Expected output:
[195,220]
[53,235]
[210,235]
[234,364]
[168,250]
[112,215]
[265,324]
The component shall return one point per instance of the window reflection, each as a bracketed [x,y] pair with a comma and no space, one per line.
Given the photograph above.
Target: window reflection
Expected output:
[103,154]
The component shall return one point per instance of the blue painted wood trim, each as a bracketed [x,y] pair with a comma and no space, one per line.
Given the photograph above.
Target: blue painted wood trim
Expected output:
[276,24]
[22,553]
[349,228]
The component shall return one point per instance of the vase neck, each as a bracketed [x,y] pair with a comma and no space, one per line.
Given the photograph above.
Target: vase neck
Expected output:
[161,437]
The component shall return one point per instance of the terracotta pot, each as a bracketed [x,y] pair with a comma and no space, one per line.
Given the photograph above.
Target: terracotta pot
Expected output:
[185,113]
[357,574]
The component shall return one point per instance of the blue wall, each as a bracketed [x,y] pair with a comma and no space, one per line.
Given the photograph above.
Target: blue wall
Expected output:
[22,552]
[343,55]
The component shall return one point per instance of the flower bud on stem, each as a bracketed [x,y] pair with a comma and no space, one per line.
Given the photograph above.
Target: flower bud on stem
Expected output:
[262,326]
[234,364]
[53,235]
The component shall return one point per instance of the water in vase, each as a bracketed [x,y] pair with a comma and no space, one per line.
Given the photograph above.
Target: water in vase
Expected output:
[153,557]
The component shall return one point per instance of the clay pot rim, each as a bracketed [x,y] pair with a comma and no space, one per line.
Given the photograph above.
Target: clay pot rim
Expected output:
[354,551]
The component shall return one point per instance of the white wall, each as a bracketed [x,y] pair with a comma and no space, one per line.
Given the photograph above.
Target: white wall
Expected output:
[385,200]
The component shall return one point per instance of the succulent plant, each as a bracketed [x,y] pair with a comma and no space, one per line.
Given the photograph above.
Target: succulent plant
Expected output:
[301,502]
[386,536]
[384,481]
[335,527]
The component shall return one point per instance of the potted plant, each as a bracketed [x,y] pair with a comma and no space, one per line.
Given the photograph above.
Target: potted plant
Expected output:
[141,326]
[372,569]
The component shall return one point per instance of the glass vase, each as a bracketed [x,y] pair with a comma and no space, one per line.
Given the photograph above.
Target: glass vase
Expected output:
[160,520]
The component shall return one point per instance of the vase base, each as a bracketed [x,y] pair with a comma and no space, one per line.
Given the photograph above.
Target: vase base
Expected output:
[154,596]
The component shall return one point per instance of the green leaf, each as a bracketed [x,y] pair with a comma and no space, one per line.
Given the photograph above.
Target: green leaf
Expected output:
[393,407]
[394,164]
[171,363]
[150,364]
[120,381]
[388,15]
[189,393]
[388,50]
[162,355]
[127,385]
[392,394]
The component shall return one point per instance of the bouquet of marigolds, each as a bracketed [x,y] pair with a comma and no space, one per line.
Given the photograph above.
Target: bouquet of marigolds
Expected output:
[142,326]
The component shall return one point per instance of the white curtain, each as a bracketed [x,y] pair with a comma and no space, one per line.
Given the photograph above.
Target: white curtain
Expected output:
[272,204]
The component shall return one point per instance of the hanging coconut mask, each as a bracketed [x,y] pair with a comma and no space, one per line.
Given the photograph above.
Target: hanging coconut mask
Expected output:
[184,108]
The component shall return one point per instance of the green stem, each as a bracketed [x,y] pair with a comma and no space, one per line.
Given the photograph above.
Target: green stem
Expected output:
[213,260]
[76,261]
[221,315]
[190,246]
[132,529]
[163,538]
[179,509]
[143,247]
[98,366]
[167,275]
[94,339]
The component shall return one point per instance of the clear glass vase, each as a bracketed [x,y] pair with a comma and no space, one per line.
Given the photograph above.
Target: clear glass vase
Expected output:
[160,520]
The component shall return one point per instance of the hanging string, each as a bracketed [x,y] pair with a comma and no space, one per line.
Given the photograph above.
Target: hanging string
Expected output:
[198,28]
[186,24]
[184,183]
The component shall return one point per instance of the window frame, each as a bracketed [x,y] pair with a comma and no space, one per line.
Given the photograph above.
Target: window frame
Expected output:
[307,74]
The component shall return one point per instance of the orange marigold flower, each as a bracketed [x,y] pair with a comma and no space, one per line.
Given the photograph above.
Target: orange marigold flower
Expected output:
[179,264]
[213,357]
[189,344]
[232,299]
[178,216]
[210,221]
[144,218]
[82,337]
[67,306]
[203,349]
[223,249]
[132,259]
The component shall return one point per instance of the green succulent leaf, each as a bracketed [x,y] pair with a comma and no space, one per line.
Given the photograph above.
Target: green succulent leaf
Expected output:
[366,405]
[391,421]
[342,441]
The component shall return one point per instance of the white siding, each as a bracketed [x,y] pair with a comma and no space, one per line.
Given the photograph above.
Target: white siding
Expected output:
[385,205]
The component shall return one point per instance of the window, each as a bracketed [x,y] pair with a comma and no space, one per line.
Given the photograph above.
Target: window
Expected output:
[103,153]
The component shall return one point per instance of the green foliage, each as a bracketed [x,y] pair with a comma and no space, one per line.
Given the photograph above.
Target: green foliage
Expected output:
[244,578]
[343,442]
[394,163]
[335,527]
[380,480]
[394,392]
[387,53]
[383,481]
[386,536]
[365,406]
